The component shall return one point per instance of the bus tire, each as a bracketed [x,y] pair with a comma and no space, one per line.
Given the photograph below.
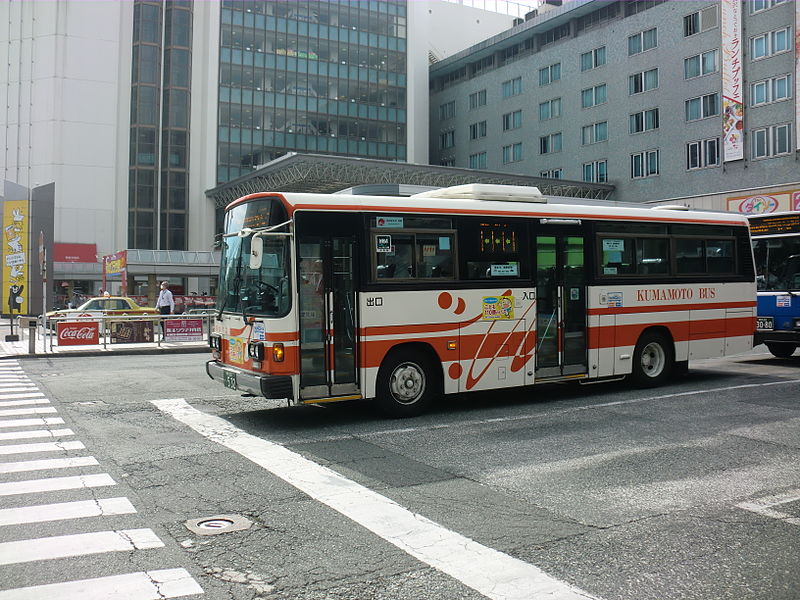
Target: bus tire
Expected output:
[407,383]
[653,360]
[781,350]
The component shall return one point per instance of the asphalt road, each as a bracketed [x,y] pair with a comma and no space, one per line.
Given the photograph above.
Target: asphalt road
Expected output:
[689,491]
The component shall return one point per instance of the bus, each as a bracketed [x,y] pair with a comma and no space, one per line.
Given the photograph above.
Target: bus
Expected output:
[325,298]
[776,248]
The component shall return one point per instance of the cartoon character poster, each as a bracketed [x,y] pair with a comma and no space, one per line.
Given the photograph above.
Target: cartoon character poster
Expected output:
[16,223]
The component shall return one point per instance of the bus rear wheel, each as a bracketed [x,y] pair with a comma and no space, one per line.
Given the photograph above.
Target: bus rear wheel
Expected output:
[781,350]
[407,384]
[653,360]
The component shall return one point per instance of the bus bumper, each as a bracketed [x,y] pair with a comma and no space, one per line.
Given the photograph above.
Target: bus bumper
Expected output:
[777,337]
[274,387]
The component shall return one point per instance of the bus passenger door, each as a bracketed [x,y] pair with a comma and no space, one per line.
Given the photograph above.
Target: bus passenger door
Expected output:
[561,341]
[327,317]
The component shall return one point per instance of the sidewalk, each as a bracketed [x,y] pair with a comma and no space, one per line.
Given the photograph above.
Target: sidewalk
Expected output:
[21,348]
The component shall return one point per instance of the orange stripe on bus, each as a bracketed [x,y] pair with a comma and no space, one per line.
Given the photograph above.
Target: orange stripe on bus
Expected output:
[668,308]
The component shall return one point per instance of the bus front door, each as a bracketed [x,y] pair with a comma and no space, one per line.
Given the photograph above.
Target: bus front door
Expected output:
[327,301]
[561,306]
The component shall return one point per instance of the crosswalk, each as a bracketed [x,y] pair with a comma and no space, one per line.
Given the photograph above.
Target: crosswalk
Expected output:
[39,457]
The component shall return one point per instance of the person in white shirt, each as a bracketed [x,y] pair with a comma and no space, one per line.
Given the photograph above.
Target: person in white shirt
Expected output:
[165,303]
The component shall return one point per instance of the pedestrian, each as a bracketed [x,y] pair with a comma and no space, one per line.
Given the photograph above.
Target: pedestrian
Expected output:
[165,303]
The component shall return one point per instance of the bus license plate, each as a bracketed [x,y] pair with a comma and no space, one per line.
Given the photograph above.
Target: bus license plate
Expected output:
[229,378]
[765,323]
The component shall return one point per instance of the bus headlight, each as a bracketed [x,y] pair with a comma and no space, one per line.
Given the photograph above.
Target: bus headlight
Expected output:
[215,341]
[255,350]
[278,352]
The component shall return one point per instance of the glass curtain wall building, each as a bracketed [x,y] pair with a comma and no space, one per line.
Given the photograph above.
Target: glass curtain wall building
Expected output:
[159,140]
[323,77]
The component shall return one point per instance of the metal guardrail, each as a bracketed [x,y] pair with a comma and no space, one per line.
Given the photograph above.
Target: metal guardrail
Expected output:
[106,328]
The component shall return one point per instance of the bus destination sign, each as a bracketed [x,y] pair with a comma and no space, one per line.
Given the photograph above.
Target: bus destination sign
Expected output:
[775,224]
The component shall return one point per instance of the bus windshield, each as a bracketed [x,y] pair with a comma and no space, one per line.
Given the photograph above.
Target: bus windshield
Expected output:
[256,292]
[777,263]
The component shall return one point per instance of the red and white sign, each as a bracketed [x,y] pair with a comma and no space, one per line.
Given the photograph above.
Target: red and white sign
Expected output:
[75,253]
[78,334]
[183,330]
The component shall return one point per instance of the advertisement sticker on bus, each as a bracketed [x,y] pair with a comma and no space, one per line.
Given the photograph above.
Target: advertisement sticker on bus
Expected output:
[236,350]
[783,301]
[497,308]
[393,222]
[259,331]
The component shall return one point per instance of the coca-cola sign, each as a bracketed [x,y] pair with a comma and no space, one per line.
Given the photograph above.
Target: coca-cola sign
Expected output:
[78,333]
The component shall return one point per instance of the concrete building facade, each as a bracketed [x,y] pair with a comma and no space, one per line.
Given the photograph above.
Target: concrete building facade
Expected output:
[637,94]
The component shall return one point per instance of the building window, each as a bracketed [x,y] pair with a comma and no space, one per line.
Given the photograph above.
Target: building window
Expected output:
[700,21]
[757,6]
[702,154]
[550,143]
[642,82]
[477,99]
[702,107]
[770,90]
[642,41]
[448,162]
[550,109]
[645,120]
[447,139]
[596,132]
[593,96]
[644,164]
[512,120]
[447,110]
[771,43]
[770,141]
[552,173]
[477,130]
[548,75]
[477,160]
[595,171]
[593,59]
[512,153]
[512,87]
[700,64]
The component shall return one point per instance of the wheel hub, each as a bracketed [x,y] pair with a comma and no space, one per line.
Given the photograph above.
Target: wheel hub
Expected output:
[407,383]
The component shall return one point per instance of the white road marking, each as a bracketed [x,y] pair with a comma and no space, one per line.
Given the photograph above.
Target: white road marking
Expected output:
[5,385]
[492,573]
[80,544]
[764,506]
[31,422]
[47,464]
[21,395]
[39,433]
[41,447]
[52,484]
[147,585]
[15,412]
[66,510]
[25,402]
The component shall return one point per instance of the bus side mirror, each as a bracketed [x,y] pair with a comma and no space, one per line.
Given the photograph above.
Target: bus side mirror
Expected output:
[256,252]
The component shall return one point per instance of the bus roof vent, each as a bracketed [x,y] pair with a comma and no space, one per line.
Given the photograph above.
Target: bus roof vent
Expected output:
[485,191]
[670,207]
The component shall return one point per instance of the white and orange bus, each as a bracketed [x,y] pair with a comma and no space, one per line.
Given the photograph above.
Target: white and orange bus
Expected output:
[476,287]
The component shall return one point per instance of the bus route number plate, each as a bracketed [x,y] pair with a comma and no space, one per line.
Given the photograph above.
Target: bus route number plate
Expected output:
[764,323]
[229,378]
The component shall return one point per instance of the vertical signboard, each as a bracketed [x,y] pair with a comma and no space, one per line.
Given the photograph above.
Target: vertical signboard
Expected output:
[16,223]
[116,265]
[732,91]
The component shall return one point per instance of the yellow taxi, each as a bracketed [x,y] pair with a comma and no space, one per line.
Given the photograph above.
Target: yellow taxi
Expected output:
[107,306]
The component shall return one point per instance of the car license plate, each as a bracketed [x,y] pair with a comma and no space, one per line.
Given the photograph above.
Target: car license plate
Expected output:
[765,323]
[229,379]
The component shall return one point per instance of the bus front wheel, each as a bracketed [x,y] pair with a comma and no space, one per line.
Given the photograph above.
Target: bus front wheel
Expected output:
[653,360]
[407,384]
[781,350]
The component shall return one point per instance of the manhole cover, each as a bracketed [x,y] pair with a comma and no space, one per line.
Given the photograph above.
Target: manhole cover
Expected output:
[218,524]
